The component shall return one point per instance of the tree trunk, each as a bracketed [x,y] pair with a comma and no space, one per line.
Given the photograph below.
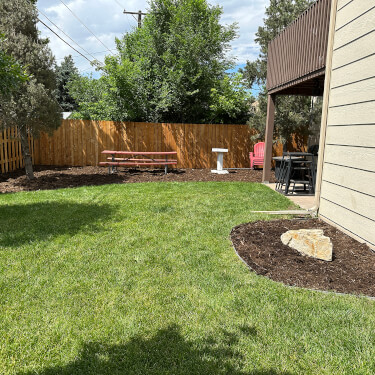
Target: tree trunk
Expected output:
[26,153]
[285,145]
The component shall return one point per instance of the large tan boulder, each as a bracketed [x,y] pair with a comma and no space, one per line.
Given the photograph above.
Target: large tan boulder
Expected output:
[311,242]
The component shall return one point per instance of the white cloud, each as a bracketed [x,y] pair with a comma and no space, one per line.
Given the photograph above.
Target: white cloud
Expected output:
[249,16]
[107,21]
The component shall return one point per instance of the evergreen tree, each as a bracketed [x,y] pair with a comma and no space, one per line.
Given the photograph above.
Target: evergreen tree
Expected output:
[65,73]
[294,113]
[11,73]
[32,107]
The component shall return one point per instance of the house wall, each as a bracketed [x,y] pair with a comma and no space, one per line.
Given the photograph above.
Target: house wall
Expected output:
[347,195]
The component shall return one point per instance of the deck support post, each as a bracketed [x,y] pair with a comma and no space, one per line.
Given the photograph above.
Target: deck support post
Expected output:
[269,138]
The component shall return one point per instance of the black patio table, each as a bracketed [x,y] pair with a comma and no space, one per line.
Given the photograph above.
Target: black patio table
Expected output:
[296,168]
[278,160]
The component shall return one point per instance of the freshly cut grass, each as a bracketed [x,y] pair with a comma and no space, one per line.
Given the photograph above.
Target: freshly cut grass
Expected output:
[142,279]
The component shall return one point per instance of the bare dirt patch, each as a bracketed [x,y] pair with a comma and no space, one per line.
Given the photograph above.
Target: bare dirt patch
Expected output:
[351,271]
[50,177]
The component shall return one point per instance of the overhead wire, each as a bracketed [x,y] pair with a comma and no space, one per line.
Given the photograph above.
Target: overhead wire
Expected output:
[83,66]
[125,9]
[126,15]
[86,27]
[83,49]
[116,1]
[133,16]
[92,53]
[84,70]
[91,62]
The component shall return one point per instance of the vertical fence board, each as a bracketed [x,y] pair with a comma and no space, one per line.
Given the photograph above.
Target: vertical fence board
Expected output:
[16,153]
[13,146]
[87,141]
[36,159]
[56,148]
[32,148]
[2,161]
[92,143]
[122,133]
[68,142]
[6,139]
[76,143]
[96,142]
[72,144]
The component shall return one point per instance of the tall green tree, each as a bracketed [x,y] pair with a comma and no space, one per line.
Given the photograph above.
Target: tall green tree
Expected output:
[294,113]
[32,106]
[95,100]
[11,73]
[231,102]
[65,72]
[172,68]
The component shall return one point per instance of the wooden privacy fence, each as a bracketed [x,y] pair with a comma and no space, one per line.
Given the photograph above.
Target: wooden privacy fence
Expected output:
[10,150]
[80,143]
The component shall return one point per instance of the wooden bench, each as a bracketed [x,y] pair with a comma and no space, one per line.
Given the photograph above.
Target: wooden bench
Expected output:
[129,158]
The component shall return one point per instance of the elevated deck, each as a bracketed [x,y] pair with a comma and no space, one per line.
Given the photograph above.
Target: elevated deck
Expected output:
[297,56]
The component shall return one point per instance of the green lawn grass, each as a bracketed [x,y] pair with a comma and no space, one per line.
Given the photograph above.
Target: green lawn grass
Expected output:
[142,279]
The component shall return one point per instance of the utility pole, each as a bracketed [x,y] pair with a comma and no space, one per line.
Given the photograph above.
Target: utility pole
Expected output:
[140,14]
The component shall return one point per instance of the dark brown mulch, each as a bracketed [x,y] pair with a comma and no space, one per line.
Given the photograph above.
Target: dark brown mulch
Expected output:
[64,177]
[351,271]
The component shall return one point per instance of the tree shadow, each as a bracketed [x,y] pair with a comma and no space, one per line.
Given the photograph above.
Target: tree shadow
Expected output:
[35,222]
[167,352]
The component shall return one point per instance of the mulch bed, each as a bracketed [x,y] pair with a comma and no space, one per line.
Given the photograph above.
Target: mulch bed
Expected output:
[351,271]
[50,177]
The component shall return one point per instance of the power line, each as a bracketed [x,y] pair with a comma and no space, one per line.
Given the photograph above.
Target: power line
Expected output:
[85,70]
[84,66]
[131,15]
[119,4]
[130,26]
[65,41]
[86,27]
[122,7]
[88,53]
[93,53]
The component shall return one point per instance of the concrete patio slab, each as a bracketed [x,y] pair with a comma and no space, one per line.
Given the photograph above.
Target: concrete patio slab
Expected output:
[307,202]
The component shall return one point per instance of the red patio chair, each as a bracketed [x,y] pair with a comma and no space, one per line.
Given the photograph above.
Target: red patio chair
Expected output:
[257,157]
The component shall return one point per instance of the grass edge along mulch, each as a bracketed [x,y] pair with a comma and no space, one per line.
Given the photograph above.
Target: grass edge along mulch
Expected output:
[52,177]
[352,270]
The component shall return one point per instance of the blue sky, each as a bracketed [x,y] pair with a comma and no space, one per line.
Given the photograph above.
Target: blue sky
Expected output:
[106,20]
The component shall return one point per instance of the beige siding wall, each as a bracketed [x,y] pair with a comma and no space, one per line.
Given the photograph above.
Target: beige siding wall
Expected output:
[348,179]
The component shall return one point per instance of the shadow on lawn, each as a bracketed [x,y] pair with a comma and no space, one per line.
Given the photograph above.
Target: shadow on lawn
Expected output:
[168,352]
[26,223]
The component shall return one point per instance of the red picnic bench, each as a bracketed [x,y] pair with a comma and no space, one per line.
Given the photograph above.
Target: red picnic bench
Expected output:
[128,159]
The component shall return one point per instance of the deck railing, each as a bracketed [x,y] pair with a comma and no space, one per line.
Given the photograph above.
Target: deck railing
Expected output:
[299,52]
